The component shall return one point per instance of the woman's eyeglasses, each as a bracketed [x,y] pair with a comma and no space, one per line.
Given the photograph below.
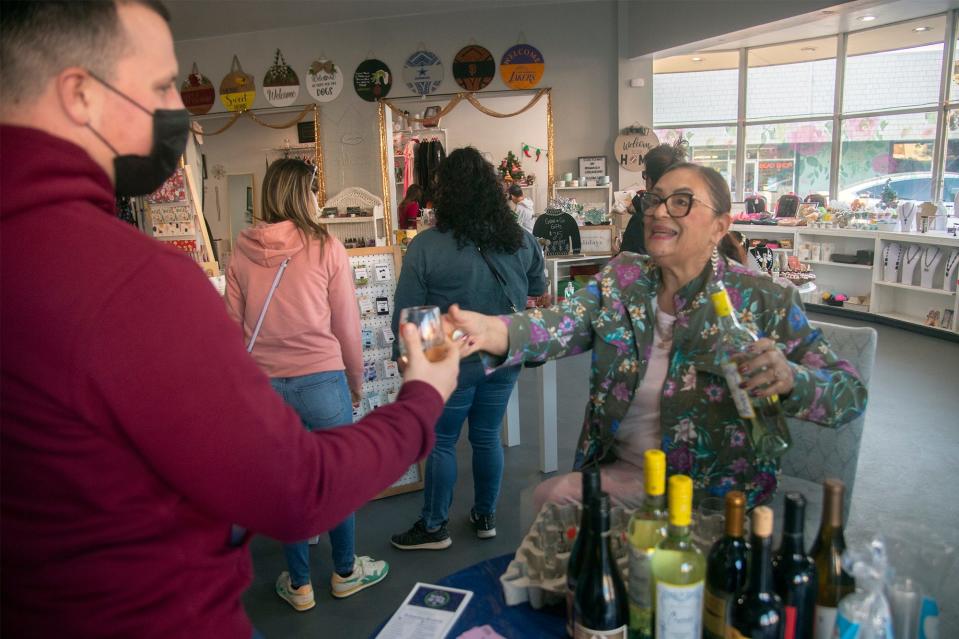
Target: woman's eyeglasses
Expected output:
[677,204]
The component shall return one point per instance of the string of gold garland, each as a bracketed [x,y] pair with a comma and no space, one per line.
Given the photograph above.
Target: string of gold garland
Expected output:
[385,177]
[236,116]
[549,139]
[472,99]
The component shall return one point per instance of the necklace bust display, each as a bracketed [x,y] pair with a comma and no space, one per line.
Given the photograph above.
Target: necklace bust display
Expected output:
[909,263]
[931,256]
[950,273]
[891,261]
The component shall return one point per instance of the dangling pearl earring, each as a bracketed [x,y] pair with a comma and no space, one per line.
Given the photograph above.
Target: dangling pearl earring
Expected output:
[714,259]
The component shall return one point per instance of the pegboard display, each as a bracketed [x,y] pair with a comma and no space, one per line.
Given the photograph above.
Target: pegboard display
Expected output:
[375,273]
[174,217]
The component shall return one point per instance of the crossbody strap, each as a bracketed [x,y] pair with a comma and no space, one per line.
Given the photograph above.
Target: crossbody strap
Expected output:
[498,277]
[266,304]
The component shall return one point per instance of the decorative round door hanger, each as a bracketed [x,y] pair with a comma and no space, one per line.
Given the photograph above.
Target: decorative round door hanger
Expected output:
[197,92]
[474,67]
[324,80]
[281,86]
[632,145]
[372,80]
[237,90]
[522,67]
[423,72]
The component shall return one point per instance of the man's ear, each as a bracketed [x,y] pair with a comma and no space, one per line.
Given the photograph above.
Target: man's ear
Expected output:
[78,94]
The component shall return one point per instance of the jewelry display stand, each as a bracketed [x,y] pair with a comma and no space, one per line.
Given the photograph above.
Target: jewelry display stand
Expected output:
[891,261]
[950,274]
[911,256]
[907,216]
[931,256]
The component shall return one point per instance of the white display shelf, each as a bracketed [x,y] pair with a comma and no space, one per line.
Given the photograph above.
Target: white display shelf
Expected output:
[913,320]
[938,238]
[757,229]
[862,267]
[865,235]
[347,220]
[583,188]
[918,289]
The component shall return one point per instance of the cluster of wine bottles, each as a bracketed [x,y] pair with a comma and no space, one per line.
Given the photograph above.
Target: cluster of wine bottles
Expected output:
[743,589]
[754,593]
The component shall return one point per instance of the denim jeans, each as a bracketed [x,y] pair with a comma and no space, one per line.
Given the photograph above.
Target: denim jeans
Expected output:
[323,401]
[482,400]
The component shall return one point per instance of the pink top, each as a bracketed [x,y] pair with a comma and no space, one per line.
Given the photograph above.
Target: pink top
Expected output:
[639,431]
[313,323]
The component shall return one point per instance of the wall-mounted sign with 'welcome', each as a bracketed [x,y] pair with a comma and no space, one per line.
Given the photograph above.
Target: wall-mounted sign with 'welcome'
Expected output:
[522,67]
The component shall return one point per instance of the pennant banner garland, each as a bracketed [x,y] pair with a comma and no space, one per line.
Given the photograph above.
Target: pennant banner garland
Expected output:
[372,80]
[474,67]
[529,151]
[281,86]
[324,80]
[237,90]
[197,92]
[423,72]
[522,67]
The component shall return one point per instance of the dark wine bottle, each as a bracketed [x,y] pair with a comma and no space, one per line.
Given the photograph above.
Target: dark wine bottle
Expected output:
[794,572]
[834,583]
[725,569]
[592,487]
[758,612]
[600,604]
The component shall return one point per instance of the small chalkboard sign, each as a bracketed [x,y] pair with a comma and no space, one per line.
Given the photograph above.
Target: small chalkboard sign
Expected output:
[560,230]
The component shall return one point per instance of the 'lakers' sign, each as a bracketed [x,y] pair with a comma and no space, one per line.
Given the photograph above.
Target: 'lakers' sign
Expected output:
[521,67]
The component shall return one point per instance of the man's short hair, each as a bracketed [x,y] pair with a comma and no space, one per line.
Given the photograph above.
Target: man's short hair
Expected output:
[38,39]
[661,158]
[515,190]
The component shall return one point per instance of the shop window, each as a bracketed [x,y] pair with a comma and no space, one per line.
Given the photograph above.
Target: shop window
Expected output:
[701,87]
[713,146]
[950,177]
[895,66]
[791,157]
[897,148]
[794,79]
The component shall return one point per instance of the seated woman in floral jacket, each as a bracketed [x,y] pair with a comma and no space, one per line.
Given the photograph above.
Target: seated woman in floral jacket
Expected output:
[654,379]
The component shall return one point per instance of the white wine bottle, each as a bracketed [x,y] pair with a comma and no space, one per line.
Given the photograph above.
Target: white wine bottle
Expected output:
[834,583]
[767,430]
[647,527]
[679,570]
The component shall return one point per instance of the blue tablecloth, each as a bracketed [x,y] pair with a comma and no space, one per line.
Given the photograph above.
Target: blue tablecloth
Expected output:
[488,606]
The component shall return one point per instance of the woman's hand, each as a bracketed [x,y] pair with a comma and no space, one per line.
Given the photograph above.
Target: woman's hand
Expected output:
[478,332]
[356,397]
[765,370]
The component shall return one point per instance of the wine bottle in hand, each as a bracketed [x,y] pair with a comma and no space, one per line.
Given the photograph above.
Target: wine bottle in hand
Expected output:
[834,583]
[794,572]
[725,569]
[758,612]
[600,605]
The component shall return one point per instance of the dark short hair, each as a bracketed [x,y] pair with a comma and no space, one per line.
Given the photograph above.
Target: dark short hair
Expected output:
[38,39]
[661,158]
[715,183]
[515,190]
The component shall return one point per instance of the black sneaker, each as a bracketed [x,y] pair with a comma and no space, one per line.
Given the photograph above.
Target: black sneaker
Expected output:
[418,538]
[484,525]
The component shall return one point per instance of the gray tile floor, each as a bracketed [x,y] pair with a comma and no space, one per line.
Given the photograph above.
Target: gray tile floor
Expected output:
[908,474]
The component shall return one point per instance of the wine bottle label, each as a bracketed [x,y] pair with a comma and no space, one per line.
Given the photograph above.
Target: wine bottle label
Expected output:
[714,613]
[846,628]
[740,397]
[580,632]
[789,631]
[679,611]
[825,622]
[929,618]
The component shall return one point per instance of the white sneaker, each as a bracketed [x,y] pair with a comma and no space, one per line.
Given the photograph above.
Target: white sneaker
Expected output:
[366,572]
[300,598]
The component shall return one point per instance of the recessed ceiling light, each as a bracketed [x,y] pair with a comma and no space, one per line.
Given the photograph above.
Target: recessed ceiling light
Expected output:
[866,18]
[697,59]
[921,29]
[808,49]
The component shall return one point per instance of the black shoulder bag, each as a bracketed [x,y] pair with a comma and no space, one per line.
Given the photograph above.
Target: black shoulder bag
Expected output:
[502,282]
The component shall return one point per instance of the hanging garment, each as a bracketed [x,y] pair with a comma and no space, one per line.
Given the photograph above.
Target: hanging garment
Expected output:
[409,159]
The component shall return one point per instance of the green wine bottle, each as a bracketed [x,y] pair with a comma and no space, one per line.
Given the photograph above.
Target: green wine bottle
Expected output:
[647,527]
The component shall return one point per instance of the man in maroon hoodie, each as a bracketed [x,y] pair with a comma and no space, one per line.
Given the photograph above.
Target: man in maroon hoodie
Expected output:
[135,428]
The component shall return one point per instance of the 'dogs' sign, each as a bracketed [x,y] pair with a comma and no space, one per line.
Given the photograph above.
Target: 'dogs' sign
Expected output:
[632,145]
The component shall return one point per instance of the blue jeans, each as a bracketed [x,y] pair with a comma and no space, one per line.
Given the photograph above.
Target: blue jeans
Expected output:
[482,400]
[323,401]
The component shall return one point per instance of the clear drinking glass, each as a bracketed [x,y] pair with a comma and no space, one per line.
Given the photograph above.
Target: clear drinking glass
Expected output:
[427,319]
[710,521]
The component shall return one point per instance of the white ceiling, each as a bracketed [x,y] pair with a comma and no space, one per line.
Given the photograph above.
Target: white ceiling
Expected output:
[195,19]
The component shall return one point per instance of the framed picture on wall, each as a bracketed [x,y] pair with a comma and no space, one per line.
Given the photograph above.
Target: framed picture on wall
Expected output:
[593,166]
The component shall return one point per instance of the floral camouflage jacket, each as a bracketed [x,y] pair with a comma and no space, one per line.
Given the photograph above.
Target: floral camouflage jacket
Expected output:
[703,435]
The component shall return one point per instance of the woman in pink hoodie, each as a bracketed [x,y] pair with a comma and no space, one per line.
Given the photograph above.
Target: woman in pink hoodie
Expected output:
[309,343]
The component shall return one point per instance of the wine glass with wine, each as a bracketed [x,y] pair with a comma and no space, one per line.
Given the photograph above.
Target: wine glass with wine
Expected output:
[428,322]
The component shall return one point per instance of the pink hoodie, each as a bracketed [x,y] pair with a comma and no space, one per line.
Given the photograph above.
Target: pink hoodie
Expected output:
[313,323]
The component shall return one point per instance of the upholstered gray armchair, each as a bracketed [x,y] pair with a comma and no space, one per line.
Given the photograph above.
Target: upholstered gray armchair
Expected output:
[818,452]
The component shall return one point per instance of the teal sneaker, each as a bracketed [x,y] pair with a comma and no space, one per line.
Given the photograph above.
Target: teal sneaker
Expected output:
[366,573]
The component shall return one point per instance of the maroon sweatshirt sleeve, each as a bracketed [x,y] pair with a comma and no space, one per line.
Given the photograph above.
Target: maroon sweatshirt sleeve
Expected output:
[165,368]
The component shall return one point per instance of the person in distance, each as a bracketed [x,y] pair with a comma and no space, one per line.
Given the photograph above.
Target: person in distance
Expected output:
[654,165]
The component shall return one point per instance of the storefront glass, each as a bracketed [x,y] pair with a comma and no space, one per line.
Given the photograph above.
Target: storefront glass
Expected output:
[713,146]
[794,79]
[696,88]
[789,157]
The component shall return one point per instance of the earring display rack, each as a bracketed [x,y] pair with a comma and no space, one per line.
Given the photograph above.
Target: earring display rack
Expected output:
[891,297]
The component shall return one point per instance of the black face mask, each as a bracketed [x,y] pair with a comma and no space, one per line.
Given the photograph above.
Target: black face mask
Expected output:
[143,174]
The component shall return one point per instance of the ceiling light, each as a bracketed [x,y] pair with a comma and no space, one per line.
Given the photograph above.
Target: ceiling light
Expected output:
[921,29]
[808,49]
[866,18]
[697,59]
